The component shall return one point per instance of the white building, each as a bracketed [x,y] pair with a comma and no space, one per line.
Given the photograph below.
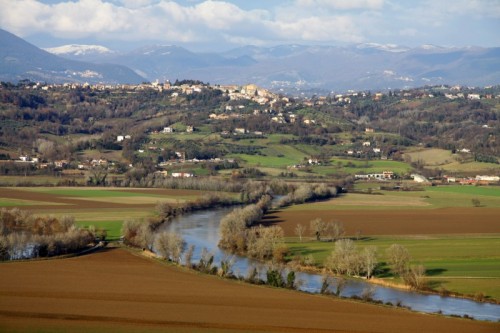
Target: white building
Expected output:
[488,178]
[419,178]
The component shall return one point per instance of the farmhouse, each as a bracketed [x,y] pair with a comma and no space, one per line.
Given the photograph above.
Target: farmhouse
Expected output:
[380,176]
[182,175]
[488,178]
[240,130]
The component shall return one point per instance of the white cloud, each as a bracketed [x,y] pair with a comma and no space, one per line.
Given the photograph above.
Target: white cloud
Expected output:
[275,22]
[341,4]
[170,21]
[136,3]
[338,28]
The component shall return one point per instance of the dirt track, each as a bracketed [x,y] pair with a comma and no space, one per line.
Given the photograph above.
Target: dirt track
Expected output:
[397,222]
[116,290]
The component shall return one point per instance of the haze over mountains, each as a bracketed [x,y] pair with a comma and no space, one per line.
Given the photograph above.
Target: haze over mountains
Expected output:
[288,67]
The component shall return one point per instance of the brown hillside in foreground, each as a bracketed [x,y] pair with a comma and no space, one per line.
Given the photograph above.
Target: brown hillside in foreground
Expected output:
[115,291]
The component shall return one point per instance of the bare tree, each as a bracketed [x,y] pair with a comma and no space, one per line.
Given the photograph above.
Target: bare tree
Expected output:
[415,277]
[300,230]
[97,176]
[344,259]
[47,149]
[399,258]
[265,243]
[169,245]
[369,260]
[335,230]
[177,245]
[341,284]
[188,256]
[318,228]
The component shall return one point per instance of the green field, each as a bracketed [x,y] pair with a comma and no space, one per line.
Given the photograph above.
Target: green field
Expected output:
[112,228]
[466,264]
[273,157]
[93,193]
[356,166]
[461,264]
[493,191]
[444,159]
[430,197]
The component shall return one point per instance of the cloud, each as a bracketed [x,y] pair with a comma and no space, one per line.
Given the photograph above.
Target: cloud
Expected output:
[341,4]
[338,28]
[234,23]
[170,21]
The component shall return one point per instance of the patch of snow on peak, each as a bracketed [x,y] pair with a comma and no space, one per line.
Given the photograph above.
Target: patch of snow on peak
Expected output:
[78,50]
[429,47]
[383,47]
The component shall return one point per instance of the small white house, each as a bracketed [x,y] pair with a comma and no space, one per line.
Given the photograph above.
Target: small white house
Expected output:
[488,178]
[182,175]
[168,130]
[240,130]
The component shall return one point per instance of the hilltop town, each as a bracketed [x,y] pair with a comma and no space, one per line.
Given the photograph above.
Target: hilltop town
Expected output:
[190,128]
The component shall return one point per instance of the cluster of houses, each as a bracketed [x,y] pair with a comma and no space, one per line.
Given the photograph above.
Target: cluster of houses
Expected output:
[62,163]
[479,180]
[385,175]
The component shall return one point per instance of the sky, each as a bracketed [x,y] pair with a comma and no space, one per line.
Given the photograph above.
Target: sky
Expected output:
[206,25]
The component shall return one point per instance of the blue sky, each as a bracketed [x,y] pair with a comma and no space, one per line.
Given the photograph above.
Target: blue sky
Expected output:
[220,25]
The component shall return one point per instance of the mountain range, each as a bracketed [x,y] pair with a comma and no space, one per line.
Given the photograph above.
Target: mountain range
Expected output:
[286,67]
[21,60]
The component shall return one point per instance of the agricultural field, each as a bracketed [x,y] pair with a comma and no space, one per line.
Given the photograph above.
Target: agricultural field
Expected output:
[445,160]
[118,290]
[459,244]
[105,209]
[353,166]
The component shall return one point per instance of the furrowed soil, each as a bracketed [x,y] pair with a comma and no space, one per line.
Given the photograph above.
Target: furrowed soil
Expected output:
[395,222]
[116,290]
[68,202]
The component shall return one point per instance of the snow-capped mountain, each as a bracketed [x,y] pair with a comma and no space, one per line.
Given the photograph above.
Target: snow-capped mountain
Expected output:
[21,60]
[79,50]
[384,47]
[92,53]
[358,66]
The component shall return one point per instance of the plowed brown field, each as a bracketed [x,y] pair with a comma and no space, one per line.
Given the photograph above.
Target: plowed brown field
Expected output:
[396,222]
[115,290]
[65,202]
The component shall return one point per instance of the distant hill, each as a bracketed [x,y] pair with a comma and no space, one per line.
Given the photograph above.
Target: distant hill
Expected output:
[22,60]
[295,68]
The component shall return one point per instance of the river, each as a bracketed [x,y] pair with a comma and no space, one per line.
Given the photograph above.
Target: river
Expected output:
[201,229]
